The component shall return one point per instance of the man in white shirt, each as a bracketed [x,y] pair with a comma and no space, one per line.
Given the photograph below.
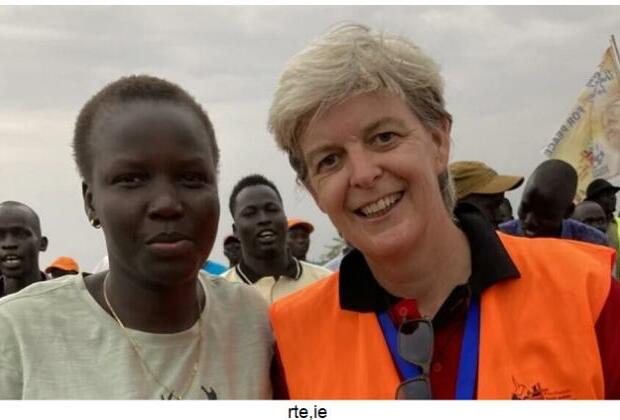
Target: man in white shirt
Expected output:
[261,226]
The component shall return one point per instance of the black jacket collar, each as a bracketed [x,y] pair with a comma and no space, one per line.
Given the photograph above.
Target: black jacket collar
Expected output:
[3,291]
[359,290]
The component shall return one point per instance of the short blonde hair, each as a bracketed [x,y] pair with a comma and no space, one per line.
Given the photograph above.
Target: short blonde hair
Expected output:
[347,61]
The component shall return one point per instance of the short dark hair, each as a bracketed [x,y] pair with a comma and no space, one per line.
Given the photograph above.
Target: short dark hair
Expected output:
[249,181]
[125,90]
[16,204]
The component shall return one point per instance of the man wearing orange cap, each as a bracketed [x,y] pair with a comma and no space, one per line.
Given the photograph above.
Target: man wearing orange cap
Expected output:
[62,266]
[482,186]
[299,238]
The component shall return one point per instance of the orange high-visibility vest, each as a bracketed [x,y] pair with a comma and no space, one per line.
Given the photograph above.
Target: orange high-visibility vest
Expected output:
[537,334]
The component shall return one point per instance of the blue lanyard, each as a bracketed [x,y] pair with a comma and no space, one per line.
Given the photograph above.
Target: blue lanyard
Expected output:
[468,364]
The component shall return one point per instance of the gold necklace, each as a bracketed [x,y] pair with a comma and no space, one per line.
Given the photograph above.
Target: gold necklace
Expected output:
[170,394]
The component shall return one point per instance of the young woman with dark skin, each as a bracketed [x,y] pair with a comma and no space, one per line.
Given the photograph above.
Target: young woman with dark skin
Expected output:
[152,326]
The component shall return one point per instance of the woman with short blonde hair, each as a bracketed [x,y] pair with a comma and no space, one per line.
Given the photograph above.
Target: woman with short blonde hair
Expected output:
[350,60]
[432,302]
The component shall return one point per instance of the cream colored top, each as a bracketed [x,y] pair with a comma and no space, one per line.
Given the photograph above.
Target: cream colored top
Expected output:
[273,289]
[56,342]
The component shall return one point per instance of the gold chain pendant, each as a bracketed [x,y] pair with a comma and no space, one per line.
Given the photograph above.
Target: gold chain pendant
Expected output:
[137,349]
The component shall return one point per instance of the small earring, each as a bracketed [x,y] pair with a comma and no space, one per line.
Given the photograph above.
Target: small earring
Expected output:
[95,223]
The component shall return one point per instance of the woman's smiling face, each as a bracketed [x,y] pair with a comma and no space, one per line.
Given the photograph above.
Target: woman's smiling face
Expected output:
[153,186]
[373,167]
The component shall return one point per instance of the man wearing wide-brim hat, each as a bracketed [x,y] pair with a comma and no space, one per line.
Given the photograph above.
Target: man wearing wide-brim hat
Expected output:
[479,184]
[603,192]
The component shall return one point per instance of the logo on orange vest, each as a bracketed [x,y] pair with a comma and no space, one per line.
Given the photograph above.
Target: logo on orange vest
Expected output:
[537,392]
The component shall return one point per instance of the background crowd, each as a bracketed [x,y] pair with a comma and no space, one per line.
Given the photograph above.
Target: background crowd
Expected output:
[271,245]
[436,284]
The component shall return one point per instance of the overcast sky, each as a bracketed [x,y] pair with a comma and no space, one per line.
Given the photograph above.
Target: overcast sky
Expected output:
[512,74]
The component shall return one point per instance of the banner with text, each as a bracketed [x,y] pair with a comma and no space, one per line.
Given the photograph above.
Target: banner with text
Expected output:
[589,139]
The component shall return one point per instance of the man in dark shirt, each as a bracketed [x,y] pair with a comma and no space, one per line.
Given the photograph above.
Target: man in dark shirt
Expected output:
[547,204]
[505,211]
[603,193]
[480,185]
[20,244]
[592,214]
[232,250]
